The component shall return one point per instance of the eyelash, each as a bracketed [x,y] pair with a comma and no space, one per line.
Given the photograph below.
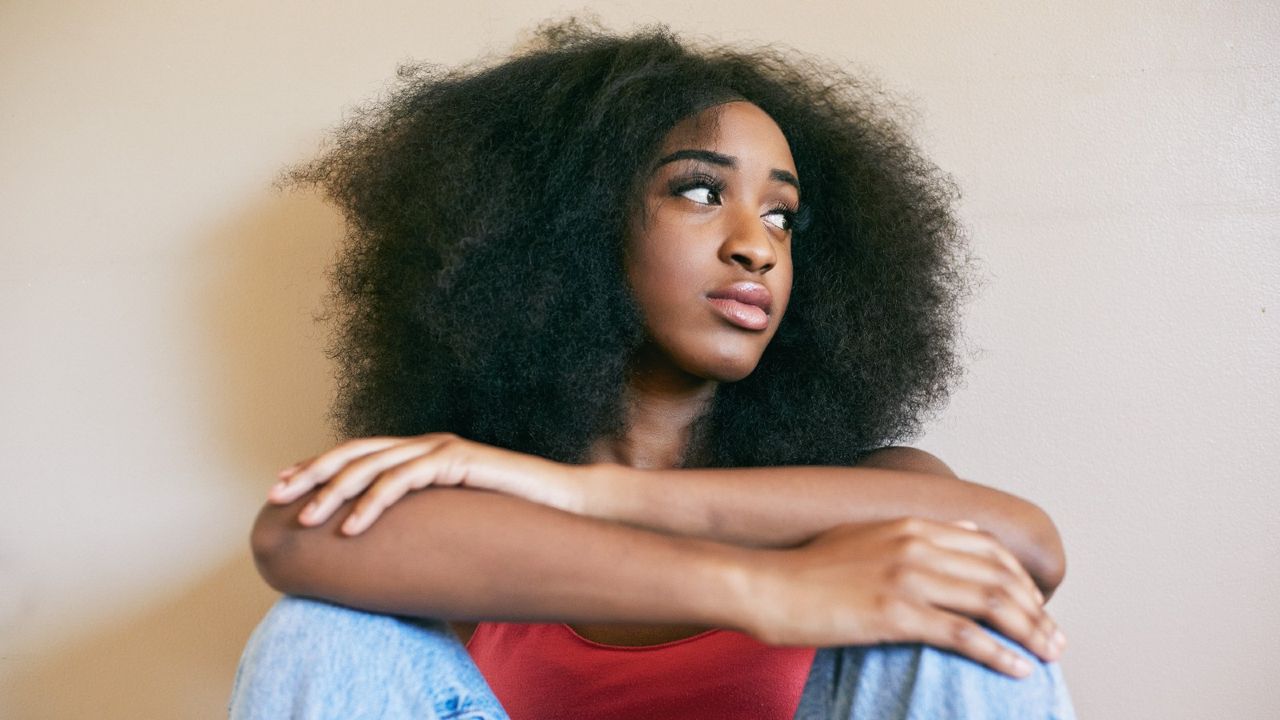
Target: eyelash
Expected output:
[794,217]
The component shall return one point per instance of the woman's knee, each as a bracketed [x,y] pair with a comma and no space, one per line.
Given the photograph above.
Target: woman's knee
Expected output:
[313,654]
[298,629]
[908,681]
[984,692]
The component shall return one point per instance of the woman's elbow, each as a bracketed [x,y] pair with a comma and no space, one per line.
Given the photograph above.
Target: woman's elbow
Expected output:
[272,540]
[1051,558]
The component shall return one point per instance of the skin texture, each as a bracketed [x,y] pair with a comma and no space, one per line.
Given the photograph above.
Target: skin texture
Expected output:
[482,291]
[690,239]
[693,238]
[918,579]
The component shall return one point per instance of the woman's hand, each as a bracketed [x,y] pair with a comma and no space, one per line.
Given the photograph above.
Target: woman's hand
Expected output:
[905,580]
[381,470]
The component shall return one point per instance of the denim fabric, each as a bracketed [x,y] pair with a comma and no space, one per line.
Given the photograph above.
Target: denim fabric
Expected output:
[309,659]
[921,682]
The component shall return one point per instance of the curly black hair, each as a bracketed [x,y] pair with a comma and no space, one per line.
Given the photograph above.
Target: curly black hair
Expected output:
[481,291]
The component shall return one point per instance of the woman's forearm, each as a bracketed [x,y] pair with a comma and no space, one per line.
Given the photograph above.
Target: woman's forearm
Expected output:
[462,554]
[786,506]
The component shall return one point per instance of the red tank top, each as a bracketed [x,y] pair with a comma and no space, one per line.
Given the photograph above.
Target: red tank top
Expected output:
[546,671]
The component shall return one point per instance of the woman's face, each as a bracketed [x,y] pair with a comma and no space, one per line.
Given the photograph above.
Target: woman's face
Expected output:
[709,256]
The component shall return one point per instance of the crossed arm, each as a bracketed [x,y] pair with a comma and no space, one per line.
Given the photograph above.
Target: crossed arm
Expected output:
[784,507]
[766,550]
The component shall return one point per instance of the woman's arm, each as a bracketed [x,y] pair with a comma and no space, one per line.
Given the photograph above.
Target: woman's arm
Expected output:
[763,507]
[785,506]
[476,555]
[463,554]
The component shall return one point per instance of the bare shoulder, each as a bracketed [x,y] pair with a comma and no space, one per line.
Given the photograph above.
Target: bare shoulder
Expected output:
[901,457]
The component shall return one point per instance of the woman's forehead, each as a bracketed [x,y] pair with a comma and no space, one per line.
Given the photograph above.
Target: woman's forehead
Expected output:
[736,128]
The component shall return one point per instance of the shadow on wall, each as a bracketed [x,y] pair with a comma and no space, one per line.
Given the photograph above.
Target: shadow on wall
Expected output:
[262,378]
[176,659]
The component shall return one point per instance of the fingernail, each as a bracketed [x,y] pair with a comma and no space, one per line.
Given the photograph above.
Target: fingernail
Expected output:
[309,512]
[351,524]
[1021,667]
[278,487]
[1059,640]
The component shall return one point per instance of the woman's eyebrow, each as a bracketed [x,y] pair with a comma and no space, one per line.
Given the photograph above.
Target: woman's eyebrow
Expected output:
[709,156]
[715,158]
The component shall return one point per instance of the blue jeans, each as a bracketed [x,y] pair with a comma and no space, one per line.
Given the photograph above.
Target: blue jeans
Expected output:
[309,660]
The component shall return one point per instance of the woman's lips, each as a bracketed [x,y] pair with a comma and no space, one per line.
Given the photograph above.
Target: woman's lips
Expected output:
[745,304]
[751,317]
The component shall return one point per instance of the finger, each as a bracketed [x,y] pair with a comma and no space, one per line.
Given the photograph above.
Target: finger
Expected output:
[352,480]
[977,541]
[994,603]
[280,493]
[381,495]
[961,635]
[981,569]
[433,467]
[319,469]
[961,536]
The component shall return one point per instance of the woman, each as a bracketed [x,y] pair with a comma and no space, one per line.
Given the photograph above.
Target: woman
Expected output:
[645,321]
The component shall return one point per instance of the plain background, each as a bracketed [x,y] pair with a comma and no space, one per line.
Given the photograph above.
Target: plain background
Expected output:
[159,361]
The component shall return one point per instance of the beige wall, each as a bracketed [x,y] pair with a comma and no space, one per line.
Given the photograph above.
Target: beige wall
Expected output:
[1121,177]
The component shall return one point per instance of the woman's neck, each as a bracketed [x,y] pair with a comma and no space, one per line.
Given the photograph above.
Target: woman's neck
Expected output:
[662,404]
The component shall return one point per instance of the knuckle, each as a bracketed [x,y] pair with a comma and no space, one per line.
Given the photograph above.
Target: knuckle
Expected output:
[909,525]
[1005,577]
[964,634]
[995,598]
[392,491]
[893,609]
[1046,625]
[416,471]
[910,546]
[898,575]
[1039,640]
[1006,658]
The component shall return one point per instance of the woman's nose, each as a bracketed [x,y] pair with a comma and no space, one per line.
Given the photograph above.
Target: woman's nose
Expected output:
[747,242]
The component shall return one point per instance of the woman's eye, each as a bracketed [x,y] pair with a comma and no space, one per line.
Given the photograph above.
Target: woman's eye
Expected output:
[780,219]
[701,195]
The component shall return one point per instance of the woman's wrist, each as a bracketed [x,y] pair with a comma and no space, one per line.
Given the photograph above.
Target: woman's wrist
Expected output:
[728,576]
[608,491]
[732,578]
[646,498]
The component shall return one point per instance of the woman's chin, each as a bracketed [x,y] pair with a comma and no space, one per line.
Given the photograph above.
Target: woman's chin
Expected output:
[727,370]
[724,359]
